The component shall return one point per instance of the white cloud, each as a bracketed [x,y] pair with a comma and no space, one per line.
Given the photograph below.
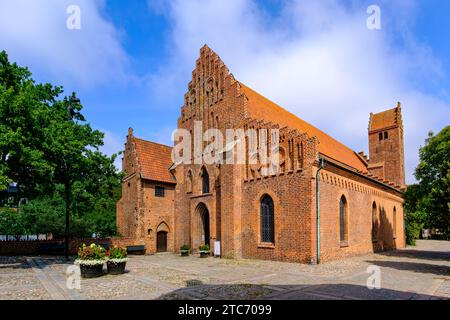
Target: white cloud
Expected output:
[34,33]
[112,145]
[316,59]
[163,135]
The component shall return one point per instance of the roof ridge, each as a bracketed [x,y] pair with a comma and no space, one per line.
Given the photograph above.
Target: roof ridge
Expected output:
[153,142]
[305,123]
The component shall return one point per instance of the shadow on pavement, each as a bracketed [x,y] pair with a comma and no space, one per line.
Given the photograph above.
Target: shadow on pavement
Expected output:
[439,270]
[290,292]
[11,262]
[418,254]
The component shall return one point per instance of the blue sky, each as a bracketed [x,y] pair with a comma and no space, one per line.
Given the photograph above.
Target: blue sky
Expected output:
[131,60]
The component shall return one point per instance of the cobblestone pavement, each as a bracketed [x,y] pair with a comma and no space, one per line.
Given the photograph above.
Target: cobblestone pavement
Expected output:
[422,272]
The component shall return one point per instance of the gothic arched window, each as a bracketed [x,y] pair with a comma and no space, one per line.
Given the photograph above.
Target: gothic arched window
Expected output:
[189,182]
[374,222]
[205,181]
[394,223]
[343,219]
[267,219]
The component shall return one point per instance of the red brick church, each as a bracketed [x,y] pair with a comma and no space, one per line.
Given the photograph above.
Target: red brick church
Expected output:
[324,202]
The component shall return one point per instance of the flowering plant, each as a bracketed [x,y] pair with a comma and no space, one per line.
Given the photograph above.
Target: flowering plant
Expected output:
[184,247]
[117,254]
[91,255]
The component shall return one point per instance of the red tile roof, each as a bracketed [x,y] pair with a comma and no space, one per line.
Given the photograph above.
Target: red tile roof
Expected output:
[260,107]
[154,160]
[384,119]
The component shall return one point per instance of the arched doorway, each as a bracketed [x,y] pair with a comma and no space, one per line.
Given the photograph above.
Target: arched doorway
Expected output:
[201,229]
[161,241]
[161,237]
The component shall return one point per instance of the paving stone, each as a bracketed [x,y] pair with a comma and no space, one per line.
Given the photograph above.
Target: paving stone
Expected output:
[419,273]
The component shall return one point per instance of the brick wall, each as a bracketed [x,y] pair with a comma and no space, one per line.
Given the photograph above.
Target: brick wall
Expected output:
[291,192]
[140,214]
[224,107]
[157,215]
[32,247]
[233,203]
[292,218]
[360,196]
[388,152]
[127,207]
[124,242]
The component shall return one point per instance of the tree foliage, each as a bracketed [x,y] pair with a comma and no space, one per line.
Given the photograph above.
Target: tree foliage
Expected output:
[11,223]
[24,110]
[427,203]
[52,153]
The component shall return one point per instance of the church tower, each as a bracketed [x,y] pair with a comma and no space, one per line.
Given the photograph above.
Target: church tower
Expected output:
[386,146]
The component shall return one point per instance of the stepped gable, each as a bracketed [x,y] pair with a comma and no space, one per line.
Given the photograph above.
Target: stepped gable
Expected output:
[384,120]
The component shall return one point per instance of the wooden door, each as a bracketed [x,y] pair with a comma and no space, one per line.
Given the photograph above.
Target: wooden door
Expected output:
[161,241]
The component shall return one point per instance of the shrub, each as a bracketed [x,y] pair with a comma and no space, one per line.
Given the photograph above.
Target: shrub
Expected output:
[415,221]
[412,230]
[204,248]
[184,247]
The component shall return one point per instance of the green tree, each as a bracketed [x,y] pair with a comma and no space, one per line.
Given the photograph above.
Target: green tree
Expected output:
[52,153]
[427,204]
[72,149]
[45,215]
[24,111]
[11,223]
[433,173]
[415,216]
[95,199]
[102,217]
[4,180]
[92,214]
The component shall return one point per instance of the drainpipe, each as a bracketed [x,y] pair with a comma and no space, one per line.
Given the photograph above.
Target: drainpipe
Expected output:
[321,166]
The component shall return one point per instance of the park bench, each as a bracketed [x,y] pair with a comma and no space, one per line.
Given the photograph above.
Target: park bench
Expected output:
[51,248]
[140,249]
